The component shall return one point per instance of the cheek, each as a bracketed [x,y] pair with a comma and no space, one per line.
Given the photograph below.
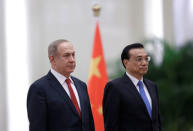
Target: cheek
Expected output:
[133,67]
[136,68]
[63,61]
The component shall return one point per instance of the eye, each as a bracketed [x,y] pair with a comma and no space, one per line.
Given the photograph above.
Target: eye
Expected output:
[73,54]
[139,59]
[65,55]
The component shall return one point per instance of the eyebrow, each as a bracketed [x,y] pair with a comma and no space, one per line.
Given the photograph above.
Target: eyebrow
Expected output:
[69,52]
[142,56]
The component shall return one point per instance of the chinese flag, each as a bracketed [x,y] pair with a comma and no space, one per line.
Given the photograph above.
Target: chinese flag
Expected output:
[97,80]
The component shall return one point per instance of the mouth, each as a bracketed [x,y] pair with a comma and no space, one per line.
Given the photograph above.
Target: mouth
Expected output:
[71,66]
[144,69]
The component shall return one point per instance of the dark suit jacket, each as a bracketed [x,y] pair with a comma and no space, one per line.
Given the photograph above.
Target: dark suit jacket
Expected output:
[51,109]
[124,109]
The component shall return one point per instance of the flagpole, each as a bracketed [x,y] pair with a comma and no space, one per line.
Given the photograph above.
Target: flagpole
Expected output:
[96,11]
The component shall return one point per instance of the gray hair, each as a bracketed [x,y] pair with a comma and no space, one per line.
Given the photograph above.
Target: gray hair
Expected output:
[52,48]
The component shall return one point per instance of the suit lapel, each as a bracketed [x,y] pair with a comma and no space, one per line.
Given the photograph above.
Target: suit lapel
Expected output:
[135,93]
[58,87]
[133,89]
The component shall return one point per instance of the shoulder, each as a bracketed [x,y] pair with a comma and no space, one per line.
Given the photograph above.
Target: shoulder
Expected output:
[120,81]
[75,79]
[149,82]
[114,81]
[113,85]
[39,84]
[41,81]
[112,91]
[78,81]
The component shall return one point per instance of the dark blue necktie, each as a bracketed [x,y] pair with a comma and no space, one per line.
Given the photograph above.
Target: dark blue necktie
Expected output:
[144,97]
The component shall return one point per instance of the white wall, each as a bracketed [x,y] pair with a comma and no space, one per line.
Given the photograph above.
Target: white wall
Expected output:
[121,23]
[183,21]
[2,72]
[168,21]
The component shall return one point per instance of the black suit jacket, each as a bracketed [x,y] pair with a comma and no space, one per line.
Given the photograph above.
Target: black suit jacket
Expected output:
[51,109]
[124,109]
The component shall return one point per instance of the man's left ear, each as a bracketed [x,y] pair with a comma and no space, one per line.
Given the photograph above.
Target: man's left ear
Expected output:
[51,58]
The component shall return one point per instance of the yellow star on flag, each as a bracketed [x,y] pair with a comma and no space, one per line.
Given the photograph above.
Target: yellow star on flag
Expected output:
[94,67]
[100,110]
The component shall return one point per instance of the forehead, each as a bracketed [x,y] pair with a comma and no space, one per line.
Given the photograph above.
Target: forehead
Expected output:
[138,52]
[65,47]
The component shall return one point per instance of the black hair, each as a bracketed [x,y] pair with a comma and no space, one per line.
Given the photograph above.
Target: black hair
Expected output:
[125,53]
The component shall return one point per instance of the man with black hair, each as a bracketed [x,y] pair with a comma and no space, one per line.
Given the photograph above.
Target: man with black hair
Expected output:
[131,102]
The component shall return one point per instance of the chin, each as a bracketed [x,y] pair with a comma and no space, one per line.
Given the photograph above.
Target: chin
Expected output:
[70,71]
[143,72]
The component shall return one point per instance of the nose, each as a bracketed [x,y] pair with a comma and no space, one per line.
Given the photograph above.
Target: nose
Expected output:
[72,58]
[144,62]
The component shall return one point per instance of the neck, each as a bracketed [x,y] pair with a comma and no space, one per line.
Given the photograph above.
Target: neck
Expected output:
[139,77]
[67,75]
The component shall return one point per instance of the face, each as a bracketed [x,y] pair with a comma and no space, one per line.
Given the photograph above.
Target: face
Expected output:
[64,62]
[137,65]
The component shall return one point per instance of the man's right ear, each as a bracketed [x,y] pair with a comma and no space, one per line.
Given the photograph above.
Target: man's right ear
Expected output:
[125,61]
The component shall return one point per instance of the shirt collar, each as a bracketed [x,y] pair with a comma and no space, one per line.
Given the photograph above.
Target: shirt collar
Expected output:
[133,79]
[61,78]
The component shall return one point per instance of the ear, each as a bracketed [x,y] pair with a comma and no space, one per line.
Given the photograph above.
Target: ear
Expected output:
[51,58]
[125,61]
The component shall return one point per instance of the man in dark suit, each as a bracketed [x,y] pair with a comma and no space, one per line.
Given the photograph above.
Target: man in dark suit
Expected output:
[131,103]
[59,101]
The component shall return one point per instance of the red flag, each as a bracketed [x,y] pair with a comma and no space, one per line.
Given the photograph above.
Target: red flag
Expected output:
[97,80]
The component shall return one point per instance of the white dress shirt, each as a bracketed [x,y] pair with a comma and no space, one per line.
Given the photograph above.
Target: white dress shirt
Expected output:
[135,81]
[61,80]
